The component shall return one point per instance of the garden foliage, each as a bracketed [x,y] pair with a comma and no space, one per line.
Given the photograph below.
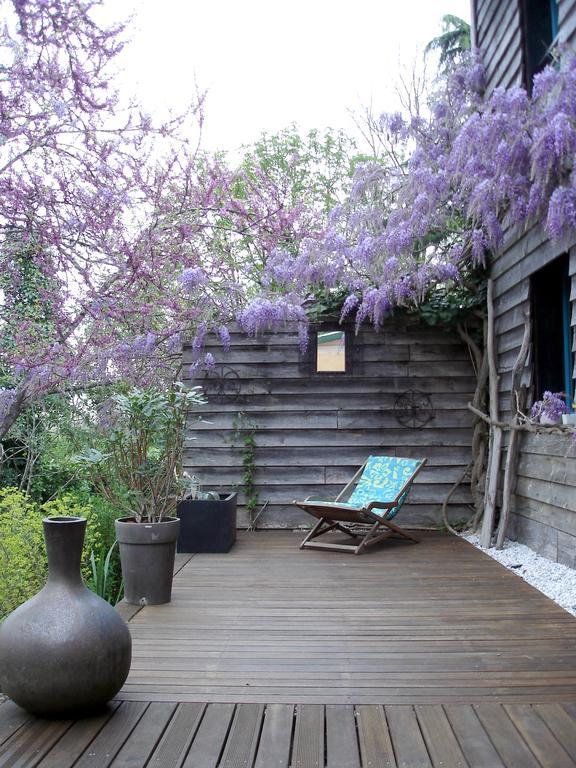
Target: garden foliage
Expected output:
[113,229]
[23,565]
[135,462]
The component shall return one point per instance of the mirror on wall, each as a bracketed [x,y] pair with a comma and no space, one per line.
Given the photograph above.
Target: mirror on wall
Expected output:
[331,352]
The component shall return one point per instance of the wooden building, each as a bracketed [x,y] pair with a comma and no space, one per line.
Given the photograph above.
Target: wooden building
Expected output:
[534,278]
[314,417]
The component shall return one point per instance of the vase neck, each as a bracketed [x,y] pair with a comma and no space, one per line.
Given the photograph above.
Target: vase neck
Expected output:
[64,538]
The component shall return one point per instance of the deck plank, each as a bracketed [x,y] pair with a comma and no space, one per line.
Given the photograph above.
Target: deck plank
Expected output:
[145,736]
[441,743]
[374,737]
[409,745]
[210,738]
[111,738]
[243,739]
[12,718]
[77,739]
[29,744]
[561,725]
[276,737]
[224,736]
[175,743]
[539,738]
[341,738]
[473,739]
[308,750]
[512,749]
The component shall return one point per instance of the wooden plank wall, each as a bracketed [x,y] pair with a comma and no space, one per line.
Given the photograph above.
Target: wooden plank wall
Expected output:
[545,501]
[567,22]
[313,430]
[498,38]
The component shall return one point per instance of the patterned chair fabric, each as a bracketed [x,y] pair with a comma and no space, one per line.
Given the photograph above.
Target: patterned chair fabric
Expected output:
[383,478]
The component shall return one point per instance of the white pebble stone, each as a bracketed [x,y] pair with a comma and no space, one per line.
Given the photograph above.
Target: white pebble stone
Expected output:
[556,581]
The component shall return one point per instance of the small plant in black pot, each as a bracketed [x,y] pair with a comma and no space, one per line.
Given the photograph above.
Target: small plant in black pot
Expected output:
[137,466]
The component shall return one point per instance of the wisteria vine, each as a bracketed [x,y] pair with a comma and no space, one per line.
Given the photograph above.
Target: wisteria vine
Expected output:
[475,166]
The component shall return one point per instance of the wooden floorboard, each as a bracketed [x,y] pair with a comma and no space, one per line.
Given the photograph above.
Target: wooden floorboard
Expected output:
[427,656]
[435,622]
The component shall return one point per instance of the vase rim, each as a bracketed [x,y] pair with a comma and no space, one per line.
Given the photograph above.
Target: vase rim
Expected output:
[64,519]
[131,519]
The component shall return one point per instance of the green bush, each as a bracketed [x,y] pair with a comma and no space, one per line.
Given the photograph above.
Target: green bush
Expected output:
[22,553]
[23,565]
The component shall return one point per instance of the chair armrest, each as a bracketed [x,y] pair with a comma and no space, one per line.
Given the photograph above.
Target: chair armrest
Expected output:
[382,505]
[308,498]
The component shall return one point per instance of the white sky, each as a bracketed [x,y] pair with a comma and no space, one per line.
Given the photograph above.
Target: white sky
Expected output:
[267,64]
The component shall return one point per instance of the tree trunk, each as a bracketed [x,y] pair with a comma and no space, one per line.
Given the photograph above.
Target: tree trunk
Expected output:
[14,408]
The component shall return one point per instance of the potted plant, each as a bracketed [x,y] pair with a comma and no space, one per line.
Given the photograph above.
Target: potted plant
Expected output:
[137,468]
[207,519]
[550,409]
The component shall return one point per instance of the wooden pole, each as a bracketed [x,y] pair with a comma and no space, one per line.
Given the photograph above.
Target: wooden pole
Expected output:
[495,430]
[508,486]
[518,398]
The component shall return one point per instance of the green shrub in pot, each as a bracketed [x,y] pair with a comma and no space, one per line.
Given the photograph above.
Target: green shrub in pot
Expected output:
[136,465]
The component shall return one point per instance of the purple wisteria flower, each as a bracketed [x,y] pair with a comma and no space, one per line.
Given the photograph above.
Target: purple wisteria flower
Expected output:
[550,408]
[192,277]
[224,335]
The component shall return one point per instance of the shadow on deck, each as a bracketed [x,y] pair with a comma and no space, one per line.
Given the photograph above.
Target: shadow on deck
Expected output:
[427,655]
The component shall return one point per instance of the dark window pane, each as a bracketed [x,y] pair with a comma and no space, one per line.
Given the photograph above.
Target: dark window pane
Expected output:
[551,328]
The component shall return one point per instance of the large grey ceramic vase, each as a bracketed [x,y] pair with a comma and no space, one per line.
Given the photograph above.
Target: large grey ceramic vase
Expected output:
[65,651]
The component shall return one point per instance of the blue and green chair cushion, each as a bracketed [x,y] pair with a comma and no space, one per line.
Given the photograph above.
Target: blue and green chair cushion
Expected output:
[382,480]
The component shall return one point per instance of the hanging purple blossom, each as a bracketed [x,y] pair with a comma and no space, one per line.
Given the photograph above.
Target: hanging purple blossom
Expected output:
[224,335]
[193,277]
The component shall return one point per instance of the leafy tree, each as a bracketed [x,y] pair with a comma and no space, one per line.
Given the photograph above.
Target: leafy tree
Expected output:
[453,43]
[107,220]
[314,169]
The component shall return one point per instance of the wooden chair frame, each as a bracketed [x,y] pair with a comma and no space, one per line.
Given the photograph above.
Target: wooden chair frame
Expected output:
[362,521]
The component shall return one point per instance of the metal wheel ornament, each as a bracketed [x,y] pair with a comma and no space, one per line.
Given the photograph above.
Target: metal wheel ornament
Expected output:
[221,385]
[413,409]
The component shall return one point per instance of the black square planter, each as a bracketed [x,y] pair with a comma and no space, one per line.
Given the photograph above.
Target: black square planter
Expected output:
[207,525]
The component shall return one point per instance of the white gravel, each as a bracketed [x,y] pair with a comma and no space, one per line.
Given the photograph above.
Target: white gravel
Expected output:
[556,581]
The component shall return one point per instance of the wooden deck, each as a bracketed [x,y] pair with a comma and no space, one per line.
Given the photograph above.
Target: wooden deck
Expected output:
[405,657]
[433,623]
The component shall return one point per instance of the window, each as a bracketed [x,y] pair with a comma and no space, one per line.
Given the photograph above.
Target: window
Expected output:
[552,334]
[539,27]
[331,352]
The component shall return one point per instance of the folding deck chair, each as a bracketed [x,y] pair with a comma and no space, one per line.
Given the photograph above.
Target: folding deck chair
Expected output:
[382,485]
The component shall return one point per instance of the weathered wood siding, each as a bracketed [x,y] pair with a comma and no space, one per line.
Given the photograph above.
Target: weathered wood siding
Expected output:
[498,37]
[312,430]
[545,499]
[567,22]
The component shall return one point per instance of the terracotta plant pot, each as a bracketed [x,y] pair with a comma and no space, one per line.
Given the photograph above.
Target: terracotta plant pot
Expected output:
[65,651]
[147,552]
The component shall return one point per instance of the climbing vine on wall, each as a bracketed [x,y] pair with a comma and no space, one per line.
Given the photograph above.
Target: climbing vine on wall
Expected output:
[244,432]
